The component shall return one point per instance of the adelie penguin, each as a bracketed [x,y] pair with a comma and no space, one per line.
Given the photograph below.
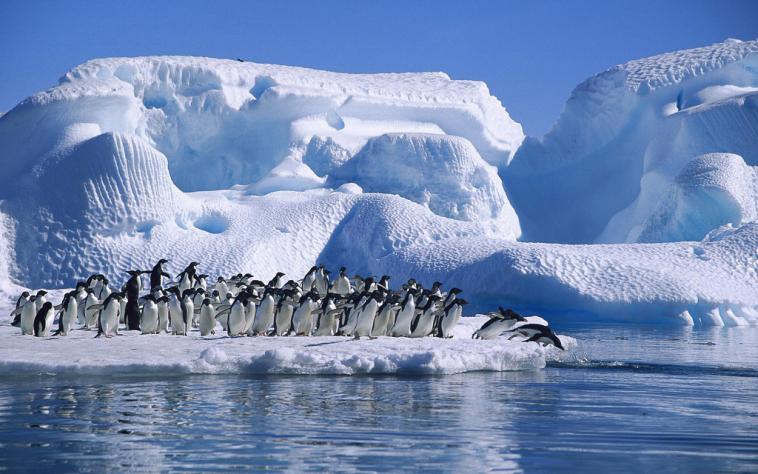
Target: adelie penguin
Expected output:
[499,322]
[133,287]
[108,315]
[149,319]
[187,277]
[423,322]
[69,311]
[43,320]
[157,274]
[537,333]
[207,318]
[16,314]
[450,318]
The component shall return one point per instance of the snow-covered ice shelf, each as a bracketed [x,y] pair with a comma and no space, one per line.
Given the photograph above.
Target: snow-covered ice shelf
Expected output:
[133,354]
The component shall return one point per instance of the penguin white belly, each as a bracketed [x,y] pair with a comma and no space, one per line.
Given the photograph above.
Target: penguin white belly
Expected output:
[301,320]
[207,320]
[28,314]
[493,328]
[380,322]
[236,320]
[69,316]
[250,310]
[449,320]
[91,315]
[284,319]
[109,320]
[365,321]
[341,286]
[48,319]
[149,318]
[424,326]
[264,317]
[188,313]
[325,324]
[402,327]
[162,317]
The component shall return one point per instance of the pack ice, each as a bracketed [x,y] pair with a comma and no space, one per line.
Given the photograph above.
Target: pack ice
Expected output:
[264,168]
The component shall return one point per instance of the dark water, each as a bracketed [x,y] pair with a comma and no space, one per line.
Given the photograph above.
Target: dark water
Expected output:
[629,400]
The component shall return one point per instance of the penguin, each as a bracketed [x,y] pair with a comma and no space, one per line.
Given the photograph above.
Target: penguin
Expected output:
[326,320]
[283,316]
[131,310]
[236,316]
[365,321]
[108,315]
[157,274]
[450,318]
[341,285]
[40,300]
[198,295]
[321,285]
[351,317]
[385,317]
[81,297]
[188,310]
[499,322]
[70,310]
[175,312]
[423,321]
[28,313]
[149,320]
[384,282]
[547,338]
[43,320]
[264,317]
[276,282]
[451,296]
[207,318]
[309,279]
[163,316]
[187,277]
[16,314]
[104,290]
[302,320]
[221,286]
[250,309]
[402,326]
[90,302]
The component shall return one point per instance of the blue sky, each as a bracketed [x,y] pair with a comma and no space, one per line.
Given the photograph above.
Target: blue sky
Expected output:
[531,54]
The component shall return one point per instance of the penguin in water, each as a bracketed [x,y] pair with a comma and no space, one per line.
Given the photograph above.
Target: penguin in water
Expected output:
[264,317]
[423,322]
[402,326]
[450,318]
[499,322]
[157,274]
[69,310]
[341,285]
[108,315]
[149,320]
[538,333]
[207,318]
[16,314]
[43,320]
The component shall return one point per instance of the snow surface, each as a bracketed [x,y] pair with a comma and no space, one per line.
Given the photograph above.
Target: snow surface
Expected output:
[133,354]
[395,174]
[624,137]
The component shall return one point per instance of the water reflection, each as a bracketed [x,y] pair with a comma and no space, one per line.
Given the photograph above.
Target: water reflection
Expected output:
[630,403]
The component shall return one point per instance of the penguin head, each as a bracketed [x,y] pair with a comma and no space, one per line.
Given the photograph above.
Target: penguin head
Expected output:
[461,301]
[162,261]
[41,293]
[436,285]
[455,291]
[342,271]
[206,301]
[25,294]
[220,279]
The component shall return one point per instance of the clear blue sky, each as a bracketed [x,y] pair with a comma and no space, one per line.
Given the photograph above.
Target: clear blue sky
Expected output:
[531,54]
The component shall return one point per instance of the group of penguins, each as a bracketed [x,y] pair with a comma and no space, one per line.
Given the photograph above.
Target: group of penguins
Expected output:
[244,306]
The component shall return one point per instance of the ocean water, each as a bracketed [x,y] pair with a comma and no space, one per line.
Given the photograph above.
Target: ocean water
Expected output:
[626,400]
